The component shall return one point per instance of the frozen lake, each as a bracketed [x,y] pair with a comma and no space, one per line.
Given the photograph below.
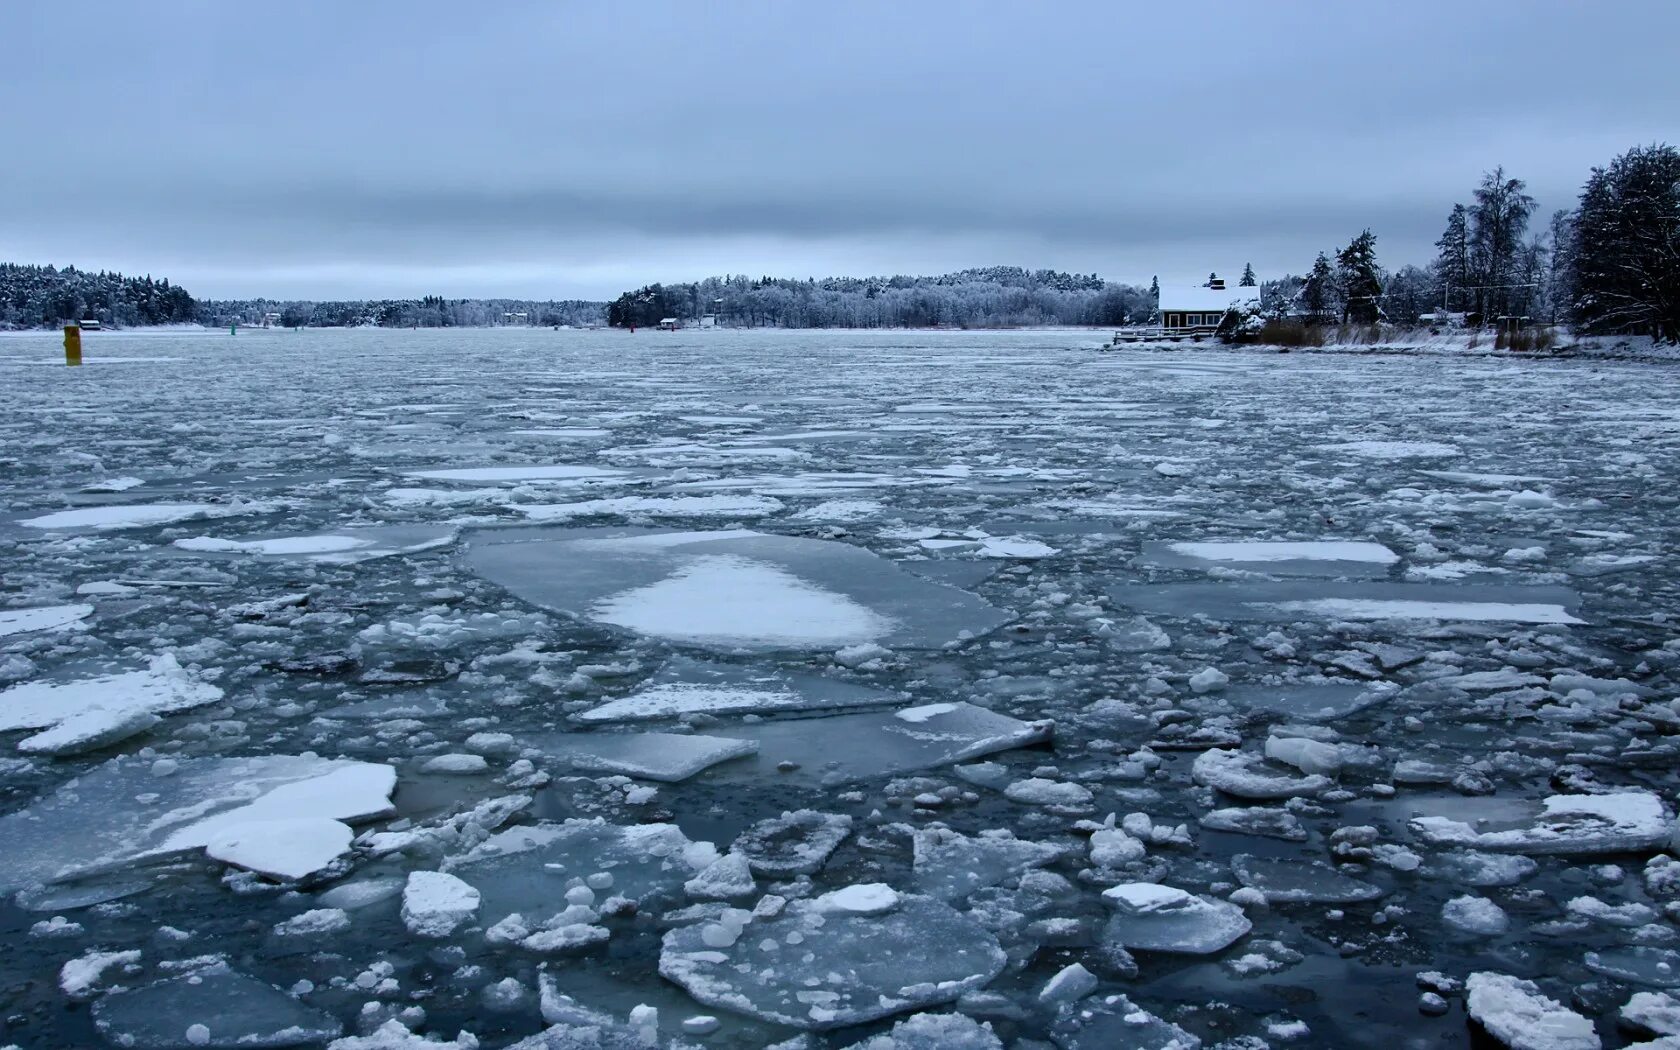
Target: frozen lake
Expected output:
[801,685]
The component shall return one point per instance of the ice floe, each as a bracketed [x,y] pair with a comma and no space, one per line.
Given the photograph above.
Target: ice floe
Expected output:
[730,589]
[833,961]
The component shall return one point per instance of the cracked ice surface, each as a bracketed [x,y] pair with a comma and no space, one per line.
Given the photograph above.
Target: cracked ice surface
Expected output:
[1357,675]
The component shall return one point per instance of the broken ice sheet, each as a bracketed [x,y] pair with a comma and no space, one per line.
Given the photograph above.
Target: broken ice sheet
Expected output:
[1314,702]
[42,618]
[1295,880]
[839,959]
[212,1007]
[685,687]
[133,516]
[1615,822]
[877,744]
[1113,1022]
[1291,601]
[340,547]
[527,869]
[729,589]
[667,757]
[91,712]
[1276,557]
[949,865]
[796,843]
[131,810]
[542,472]
[1152,917]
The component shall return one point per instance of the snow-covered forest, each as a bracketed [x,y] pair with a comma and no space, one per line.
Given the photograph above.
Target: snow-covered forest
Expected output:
[432,311]
[46,296]
[993,297]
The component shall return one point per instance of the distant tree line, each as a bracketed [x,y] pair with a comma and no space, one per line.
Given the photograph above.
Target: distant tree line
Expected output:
[47,297]
[993,297]
[1611,265]
[432,311]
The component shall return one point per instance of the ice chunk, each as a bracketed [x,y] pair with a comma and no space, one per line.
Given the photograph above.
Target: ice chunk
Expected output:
[686,687]
[877,744]
[42,618]
[822,963]
[537,472]
[91,712]
[933,1032]
[1287,601]
[1247,776]
[1517,1014]
[1309,756]
[344,547]
[730,589]
[864,898]
[436,903]
[667,757]
[1277,557]
[1256,820]
[133,516]
[1474,868]
[528,869]
[1656,967]
[1153,917]
[212,1007]
[1616,822]
[949,865]
[282,849]
[1114,1022]
[726,878]
[1653,1012]
[1039,791]
[124,811]
[720,506]
[1477,916]
[1069,985]
[1295,881]
[795,843]
[1376,449]
[1311,702]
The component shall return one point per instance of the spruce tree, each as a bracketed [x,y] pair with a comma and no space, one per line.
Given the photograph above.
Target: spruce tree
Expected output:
[1625,251]
[1317,292]
[1359,280]
[1248,280]
[1452,264]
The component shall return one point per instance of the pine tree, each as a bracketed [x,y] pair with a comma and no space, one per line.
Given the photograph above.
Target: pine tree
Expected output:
[1625,250]
[1317,292]
[1359,280]
[1248,280]
[1452,264]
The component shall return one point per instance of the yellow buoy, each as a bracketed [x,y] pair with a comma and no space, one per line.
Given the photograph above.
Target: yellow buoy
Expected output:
[72,344]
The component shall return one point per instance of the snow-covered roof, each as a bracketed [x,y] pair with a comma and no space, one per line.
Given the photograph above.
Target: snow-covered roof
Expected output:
[1208,298]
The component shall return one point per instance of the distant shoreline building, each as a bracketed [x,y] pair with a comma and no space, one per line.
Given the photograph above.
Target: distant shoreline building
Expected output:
[1204,308]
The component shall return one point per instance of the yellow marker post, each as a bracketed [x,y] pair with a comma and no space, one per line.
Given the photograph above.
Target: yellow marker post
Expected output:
[72,344]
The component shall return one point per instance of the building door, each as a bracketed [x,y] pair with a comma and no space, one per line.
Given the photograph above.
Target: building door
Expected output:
[1175,320]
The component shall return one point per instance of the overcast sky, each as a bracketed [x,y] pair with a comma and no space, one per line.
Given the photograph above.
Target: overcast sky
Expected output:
[559,149]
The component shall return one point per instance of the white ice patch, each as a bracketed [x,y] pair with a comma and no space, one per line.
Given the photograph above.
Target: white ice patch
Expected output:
[134,516]
[42,618]
[1389,450]
[727,600]
[1403,609]
[537,472]
[87,712]
[656,507]
[1281,550]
